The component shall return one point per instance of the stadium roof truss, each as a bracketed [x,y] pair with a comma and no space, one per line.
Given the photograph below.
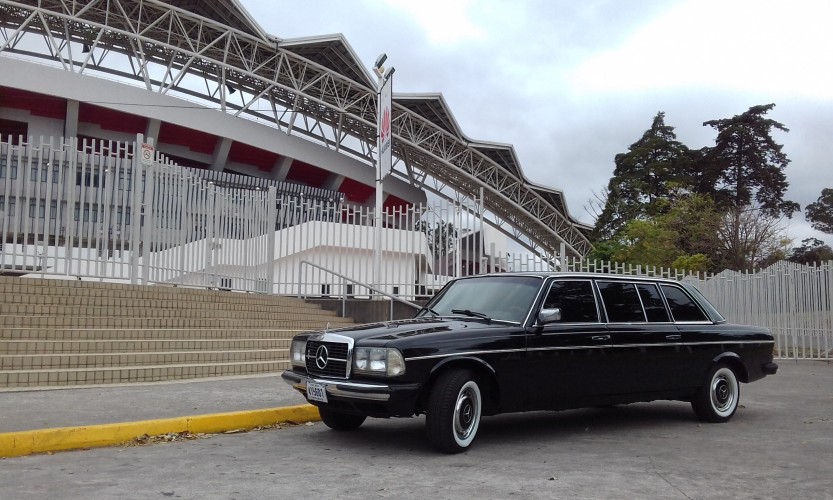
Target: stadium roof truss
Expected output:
[214,53]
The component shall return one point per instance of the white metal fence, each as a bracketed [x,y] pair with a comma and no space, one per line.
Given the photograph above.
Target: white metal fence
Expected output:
[795,301]
[93,211]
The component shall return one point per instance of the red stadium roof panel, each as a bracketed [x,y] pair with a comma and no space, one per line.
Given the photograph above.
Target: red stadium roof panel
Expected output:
[392,203]
[195,140]
[37,104]
[250,155]
[355,191]
[109,119]
[307,174]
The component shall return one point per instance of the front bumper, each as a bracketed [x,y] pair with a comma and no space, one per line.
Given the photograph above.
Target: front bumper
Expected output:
[769,368]
[375,399]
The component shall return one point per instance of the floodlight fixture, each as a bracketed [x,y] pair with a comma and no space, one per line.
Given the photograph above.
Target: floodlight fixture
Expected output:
[380,60]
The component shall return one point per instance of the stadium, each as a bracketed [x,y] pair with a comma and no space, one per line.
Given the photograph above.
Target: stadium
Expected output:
[250,135]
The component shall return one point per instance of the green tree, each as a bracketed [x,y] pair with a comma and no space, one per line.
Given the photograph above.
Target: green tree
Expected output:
[820,213]
[696,221]
[684,237]
[812,250]
[697,263]
[747,165]
[653,171]
[647,243]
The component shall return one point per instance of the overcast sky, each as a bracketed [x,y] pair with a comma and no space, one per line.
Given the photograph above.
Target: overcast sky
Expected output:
[571,83]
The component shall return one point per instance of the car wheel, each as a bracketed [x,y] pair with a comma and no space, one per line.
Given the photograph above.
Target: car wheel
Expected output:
[454,409]
[340,421]
[718,399]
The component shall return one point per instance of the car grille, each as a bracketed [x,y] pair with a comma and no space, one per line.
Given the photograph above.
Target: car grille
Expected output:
[336,359]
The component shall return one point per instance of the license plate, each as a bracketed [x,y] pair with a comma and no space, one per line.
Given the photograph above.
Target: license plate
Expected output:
[316,392]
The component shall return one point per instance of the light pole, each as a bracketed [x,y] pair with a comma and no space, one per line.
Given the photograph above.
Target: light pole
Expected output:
[384,146]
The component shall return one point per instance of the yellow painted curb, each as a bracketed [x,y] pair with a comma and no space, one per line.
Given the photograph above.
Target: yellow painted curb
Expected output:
[15,444]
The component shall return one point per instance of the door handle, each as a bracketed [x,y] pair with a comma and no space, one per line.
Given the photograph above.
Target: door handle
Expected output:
[673,337]
[600,337]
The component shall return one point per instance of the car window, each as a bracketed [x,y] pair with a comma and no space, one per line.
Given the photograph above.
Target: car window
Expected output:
[652,302]
[683,307]
[621,302]
[575,299]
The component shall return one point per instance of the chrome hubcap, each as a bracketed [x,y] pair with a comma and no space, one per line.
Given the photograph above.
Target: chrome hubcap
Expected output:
[466,412]
[723,393]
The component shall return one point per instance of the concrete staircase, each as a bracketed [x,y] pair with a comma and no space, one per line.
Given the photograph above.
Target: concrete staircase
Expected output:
[69,333]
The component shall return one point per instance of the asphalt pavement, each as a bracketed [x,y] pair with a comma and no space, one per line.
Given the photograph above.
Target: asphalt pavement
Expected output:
[778,445]
[33,421]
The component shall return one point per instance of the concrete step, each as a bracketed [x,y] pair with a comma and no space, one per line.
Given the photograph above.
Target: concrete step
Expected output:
[127,359]
[249,302]
[277,314]
[304,323]
[18,286]
[42,347]
[137,334]
[70,332]
[150,373]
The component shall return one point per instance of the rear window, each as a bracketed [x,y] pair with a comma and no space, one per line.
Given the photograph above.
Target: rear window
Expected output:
[652,301]
[683,307]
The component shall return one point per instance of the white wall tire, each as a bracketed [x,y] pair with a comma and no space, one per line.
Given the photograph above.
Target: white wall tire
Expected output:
[717,400]
[454,410]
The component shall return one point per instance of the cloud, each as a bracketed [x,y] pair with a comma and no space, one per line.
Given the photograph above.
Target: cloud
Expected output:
[762,47]
[442,21]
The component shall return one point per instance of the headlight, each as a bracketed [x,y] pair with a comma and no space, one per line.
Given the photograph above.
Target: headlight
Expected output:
[378,361]
[298,353]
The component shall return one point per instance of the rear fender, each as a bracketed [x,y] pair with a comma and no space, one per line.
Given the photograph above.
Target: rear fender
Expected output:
[734,362]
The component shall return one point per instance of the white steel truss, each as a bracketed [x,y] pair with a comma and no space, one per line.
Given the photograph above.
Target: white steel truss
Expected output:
[173,51]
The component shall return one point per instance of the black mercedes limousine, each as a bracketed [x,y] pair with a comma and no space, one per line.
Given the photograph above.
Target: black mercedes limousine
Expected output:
[531,341]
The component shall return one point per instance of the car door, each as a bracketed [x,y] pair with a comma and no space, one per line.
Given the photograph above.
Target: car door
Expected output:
[644,340]
[566,359]
[700,341]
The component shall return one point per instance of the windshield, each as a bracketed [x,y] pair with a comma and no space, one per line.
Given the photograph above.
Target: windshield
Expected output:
[507,298]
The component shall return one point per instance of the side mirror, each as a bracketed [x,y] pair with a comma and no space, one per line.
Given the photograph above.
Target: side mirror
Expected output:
[549,316]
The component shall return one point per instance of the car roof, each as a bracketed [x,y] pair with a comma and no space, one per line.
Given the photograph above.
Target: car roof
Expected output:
[585,275]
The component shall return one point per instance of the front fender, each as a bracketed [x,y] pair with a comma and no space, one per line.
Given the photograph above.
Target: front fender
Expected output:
[484,370]
[461,360]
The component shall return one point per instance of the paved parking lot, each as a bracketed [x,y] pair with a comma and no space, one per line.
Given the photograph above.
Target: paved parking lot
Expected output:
[779,445]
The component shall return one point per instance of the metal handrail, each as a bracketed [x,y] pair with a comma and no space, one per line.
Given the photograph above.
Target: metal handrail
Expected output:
[343,288]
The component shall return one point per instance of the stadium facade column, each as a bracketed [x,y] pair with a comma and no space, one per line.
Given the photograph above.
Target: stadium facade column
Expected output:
[153,127]
[281,169]
[71,120]
[220,157]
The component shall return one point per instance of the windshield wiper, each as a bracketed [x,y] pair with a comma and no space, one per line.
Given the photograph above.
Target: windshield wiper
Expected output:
[473,314]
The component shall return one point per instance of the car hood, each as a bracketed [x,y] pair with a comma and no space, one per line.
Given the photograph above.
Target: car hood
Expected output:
[381,333]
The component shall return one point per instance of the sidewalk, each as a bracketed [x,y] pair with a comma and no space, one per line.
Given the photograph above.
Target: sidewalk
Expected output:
[90,416]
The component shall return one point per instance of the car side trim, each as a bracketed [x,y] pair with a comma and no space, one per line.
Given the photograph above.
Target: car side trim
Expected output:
[581,347]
